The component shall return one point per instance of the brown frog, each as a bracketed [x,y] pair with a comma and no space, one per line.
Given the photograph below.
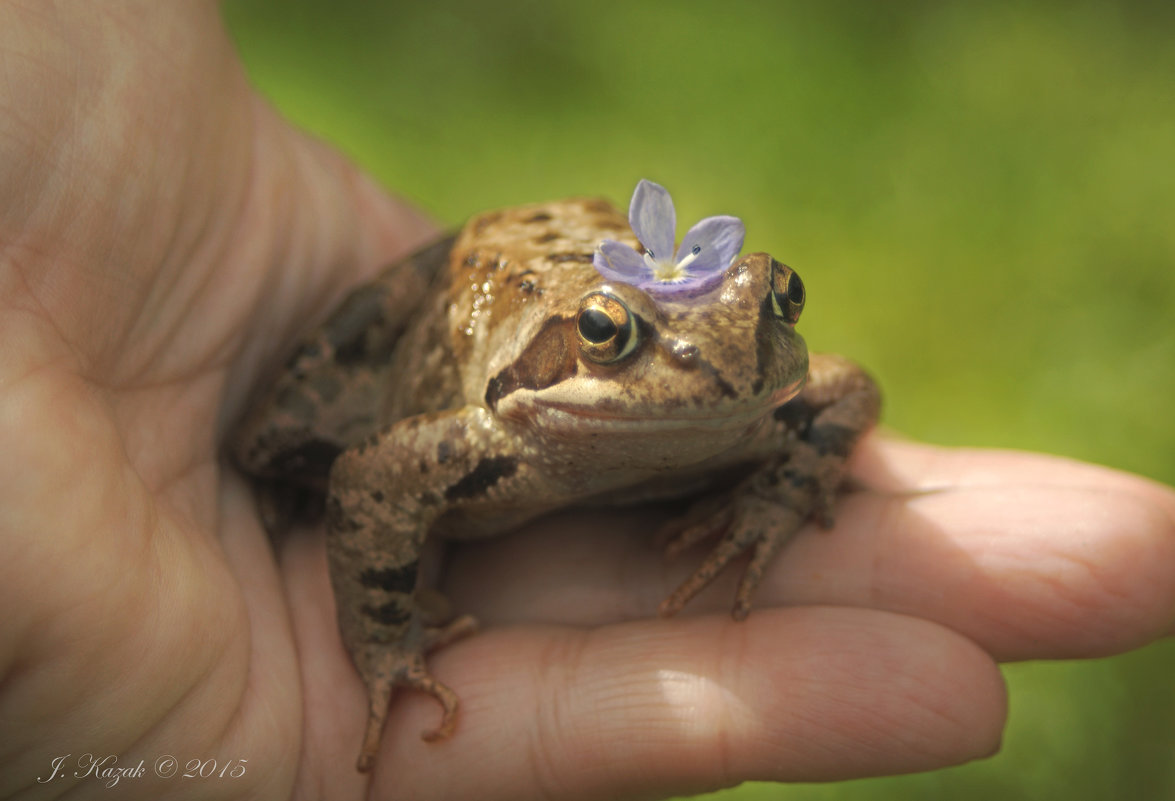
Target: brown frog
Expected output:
[507,371]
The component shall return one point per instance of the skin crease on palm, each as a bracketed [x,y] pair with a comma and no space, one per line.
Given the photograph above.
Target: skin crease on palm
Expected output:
[163,237]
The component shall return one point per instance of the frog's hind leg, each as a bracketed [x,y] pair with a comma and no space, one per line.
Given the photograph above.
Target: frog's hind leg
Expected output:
[330,392]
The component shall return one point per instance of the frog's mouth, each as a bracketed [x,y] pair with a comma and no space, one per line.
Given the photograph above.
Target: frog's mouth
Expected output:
[611,413]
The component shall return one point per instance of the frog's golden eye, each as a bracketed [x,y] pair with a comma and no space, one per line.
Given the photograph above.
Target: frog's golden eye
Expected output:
[787,293]
[606,329]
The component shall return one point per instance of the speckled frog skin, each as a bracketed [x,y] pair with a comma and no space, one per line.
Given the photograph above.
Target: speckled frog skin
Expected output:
[496,375]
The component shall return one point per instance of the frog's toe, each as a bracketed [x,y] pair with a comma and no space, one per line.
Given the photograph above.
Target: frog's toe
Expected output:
[754,524]
[392,671]
[704,519]
[439,636]
[379,694]
[718,559]
[774,530]
[448,701]
[384,669]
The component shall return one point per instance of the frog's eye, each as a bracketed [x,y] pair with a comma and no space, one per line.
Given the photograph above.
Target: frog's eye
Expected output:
[787,293]
[605,327]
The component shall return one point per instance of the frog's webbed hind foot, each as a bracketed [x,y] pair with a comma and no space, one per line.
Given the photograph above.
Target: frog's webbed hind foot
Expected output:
[385,668]
[747,521]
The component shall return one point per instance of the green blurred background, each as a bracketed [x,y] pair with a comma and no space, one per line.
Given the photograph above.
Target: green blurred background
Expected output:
[980,198]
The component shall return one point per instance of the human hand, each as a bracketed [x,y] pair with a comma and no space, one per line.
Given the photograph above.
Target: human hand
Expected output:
[872,649]
[162,236]
[161,232]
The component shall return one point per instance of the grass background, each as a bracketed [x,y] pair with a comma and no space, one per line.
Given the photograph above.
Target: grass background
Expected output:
[979,197]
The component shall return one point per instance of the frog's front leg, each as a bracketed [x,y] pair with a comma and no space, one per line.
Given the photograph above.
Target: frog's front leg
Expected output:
[384,495]
[805,449]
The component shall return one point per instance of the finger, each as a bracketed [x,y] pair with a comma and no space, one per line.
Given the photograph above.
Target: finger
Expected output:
[651,709]
[1030,556]
[902,466]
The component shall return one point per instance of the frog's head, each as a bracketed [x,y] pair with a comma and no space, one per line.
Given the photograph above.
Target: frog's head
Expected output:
[620,359]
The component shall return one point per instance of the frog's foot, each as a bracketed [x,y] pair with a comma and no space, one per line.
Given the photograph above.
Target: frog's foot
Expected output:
[760,515]
[750,523]
[383,669]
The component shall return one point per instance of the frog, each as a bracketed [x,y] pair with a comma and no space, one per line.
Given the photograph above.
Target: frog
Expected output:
[499,374]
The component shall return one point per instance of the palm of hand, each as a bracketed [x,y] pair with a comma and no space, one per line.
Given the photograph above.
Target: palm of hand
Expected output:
[135,258]
[151,265]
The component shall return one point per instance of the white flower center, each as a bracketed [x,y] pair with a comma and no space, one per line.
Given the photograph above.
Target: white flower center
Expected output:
[669,271]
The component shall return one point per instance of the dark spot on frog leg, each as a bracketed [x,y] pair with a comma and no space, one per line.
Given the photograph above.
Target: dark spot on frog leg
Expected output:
[545,238]
[393,613]
[444,451]
[538,217]
[400,579]
[486,474]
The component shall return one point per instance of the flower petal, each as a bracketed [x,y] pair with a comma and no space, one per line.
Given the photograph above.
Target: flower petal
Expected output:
[719,240]
[652,218]
[616,261]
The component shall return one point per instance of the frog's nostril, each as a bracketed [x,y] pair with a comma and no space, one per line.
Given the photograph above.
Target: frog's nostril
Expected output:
[685,353]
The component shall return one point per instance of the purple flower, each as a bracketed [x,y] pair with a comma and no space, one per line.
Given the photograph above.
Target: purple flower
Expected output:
[706,251]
